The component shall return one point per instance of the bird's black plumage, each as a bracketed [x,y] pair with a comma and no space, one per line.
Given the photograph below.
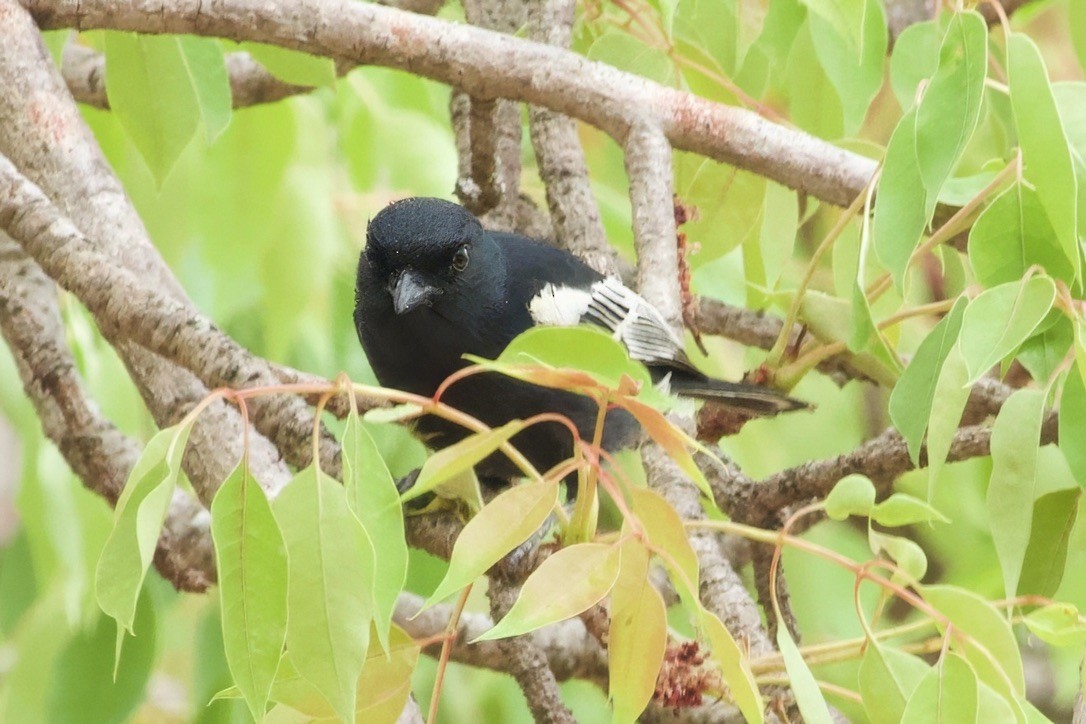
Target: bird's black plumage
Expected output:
[433,285]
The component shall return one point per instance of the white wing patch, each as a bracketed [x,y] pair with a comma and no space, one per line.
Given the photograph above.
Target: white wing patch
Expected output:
[559,306]
[615,307]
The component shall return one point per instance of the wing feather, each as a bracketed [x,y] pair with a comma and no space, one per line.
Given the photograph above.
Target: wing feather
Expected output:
[637,324]
[610,304]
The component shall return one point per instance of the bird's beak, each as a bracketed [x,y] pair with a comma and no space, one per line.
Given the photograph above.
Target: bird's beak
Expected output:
[410,291]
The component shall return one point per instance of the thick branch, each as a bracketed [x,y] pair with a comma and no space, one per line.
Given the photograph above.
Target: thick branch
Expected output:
[883,459]
[124,305]
[491,64]
[759,329]
[525,661]
[42,131]
[84,71]
[100,454]
[571,652]
[128,308]
[562,166]
[648,164]
[488,132]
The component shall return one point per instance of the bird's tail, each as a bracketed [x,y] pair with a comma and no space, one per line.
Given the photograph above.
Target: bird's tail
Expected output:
[752,398]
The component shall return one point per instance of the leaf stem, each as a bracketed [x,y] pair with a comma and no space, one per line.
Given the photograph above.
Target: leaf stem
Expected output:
[446,653]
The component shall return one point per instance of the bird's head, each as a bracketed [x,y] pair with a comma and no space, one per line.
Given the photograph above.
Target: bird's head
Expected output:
[425,249]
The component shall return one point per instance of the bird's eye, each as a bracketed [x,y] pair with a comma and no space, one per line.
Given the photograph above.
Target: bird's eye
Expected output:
[460,259]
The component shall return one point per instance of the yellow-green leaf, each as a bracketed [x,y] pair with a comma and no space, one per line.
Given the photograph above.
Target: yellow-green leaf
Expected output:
[450,462]
[638,635]
[567,583]
[506,522]
[734,666]
[667,533]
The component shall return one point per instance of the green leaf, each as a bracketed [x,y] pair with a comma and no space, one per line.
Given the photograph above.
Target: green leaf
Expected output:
[381,691]
[450,462]
[913,395]
[949,111]
[845,16]
[948,403]
[666,532]
[914,60]
[1044,145]
[888,678]
[852,495]
[568,582]
[251,561]
[394,414]
[203,57]
[765,254]
[372,496]
[960,190]
[1012,235]
[83,687]
[901,509]
[1044,352]
[1058,624]
[989,644]
[808,696]
[907,554]
[900,206]
[638,635]
[1013,487]
[330,586]
[141,509]
[734,666]
[161,88]
[947,693]
[928,142]
[708,29]
[864,333]
[813,104]
[385,683]
[1072,422]
[579,348]
[293,66]
[854,69]
[622,50]
[1077,17]
[674,441]
[506,522]
[1001,319]
[1054,516]
[729,202]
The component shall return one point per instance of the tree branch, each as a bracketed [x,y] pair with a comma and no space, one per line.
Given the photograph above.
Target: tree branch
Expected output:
[488,132]
[571,652]
[42,131]
[648,165]
[562,166]
[100,454]
[883,459]
[127,308]
[84,71]
[526,663]
[486,63]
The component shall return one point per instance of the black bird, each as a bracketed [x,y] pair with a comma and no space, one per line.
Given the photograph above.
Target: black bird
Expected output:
[433,285]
